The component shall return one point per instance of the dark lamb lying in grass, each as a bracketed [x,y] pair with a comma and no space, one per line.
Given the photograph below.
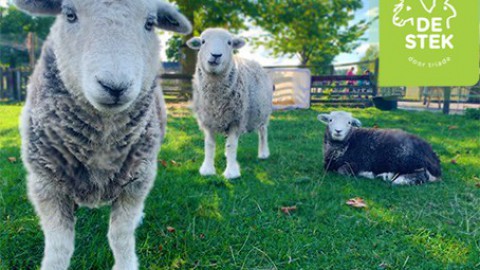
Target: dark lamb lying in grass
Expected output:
[394,155]
[94,119]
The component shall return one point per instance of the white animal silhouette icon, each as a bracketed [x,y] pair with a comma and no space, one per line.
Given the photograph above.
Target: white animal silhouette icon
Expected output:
[406,11]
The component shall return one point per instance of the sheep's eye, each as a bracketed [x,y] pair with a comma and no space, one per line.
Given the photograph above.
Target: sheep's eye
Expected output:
[149,24]
[71,16]
[349,123]
[203,41]
[331,120]
[229,43]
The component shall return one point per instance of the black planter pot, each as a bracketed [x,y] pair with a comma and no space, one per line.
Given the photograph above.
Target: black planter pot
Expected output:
[385,103]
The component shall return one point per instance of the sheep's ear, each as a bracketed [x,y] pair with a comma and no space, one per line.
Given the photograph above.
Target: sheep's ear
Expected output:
[194,43]
[356,122]
[238,43]
[40,7]
[324,118]
[168,18]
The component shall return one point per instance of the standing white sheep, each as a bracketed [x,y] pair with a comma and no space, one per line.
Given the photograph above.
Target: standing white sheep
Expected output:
[94,118]
[394,155]
[231,96]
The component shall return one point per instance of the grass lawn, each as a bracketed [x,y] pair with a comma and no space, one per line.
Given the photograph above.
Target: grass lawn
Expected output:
[222,224]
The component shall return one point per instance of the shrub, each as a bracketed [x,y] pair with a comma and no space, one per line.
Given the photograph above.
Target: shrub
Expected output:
[473,114]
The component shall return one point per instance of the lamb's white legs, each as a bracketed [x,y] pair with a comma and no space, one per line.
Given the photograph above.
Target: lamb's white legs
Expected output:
[233,169]
[263,151]
[58,225]
[208,166]
[59,244]
[124,218]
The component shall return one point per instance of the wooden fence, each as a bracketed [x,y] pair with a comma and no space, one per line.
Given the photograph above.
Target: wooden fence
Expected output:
[341,90]
[13,84]
[333,90]
[176,87]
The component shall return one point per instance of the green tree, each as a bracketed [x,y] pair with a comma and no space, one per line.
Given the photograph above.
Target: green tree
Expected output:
[313,30]
[174,46]
[371,54]
[14,28]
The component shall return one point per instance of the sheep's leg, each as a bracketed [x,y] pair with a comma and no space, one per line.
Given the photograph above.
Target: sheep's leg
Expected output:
[208,166]
[263,151]
[56,214]
[348,169]
[387,176]
[125,216]
[366,174]
[416,178]
[233,169]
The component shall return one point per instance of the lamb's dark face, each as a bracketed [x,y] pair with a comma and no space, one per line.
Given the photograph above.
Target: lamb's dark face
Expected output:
[216,48]
[339,124]
[107,50]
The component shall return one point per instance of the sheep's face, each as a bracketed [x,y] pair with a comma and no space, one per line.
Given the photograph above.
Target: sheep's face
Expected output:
[106,50]
[339,124]
[216,48]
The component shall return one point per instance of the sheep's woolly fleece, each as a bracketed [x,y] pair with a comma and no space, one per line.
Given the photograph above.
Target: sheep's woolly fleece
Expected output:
[240,98]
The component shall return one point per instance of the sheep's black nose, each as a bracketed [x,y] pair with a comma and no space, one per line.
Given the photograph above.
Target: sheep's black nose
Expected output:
[216,55]
[114,89]
[338,131]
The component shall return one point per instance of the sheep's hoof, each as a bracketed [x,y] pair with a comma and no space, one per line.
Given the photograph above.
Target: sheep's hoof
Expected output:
[232,173]
[401,181]
[207,170]
[264,155]
[131,264]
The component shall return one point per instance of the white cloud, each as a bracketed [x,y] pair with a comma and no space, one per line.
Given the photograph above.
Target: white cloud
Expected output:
[373,12]
[4,3]
[362,48]
[264,57]
[262,54]
[346,58]
[355,55]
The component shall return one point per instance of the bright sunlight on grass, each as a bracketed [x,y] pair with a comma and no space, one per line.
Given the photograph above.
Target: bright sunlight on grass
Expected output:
[220,224]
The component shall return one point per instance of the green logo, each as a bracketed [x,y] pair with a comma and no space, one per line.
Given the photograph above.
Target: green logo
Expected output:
[429,42]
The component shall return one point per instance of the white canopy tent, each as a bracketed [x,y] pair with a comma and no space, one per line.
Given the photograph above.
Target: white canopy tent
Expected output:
[292,88]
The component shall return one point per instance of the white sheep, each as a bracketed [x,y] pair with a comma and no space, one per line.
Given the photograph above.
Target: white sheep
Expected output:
[231,96]
[94,118]
[393,155]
